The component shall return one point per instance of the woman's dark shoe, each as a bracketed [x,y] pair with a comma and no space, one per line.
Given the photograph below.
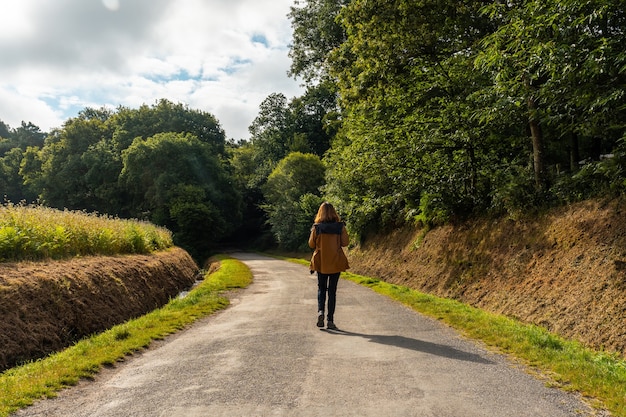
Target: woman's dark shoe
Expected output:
[320,320]
[331,326]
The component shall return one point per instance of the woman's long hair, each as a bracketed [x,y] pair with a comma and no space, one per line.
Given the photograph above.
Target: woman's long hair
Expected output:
[326,214]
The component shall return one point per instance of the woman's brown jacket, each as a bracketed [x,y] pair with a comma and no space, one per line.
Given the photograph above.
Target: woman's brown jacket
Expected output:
[327,240]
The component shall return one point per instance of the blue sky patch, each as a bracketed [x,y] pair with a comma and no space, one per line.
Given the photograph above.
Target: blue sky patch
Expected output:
[260,38]
[181,75]
[235,64]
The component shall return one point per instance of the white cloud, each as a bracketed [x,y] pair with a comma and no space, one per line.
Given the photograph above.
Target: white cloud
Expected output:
[18,105]
[220,56]
[112,5]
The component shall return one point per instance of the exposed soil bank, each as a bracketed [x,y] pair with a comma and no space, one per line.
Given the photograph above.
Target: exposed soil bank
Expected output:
[565,270]
[45,306]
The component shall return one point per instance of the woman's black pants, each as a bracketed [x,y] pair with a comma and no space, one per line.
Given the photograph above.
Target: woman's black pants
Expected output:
[327,283]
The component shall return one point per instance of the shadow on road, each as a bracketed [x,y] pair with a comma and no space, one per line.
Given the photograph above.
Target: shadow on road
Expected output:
[417,345]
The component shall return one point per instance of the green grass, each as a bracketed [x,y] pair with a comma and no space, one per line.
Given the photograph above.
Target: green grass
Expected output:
[599,376]
[37,232]
[21,386]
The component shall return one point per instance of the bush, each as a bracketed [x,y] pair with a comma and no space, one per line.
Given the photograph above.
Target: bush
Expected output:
[606,177]
[514,192]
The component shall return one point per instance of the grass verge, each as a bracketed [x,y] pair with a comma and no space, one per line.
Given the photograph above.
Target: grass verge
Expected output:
[598,376]
[22,386]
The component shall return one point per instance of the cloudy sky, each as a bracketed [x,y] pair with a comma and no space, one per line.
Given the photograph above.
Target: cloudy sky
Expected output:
[220,56]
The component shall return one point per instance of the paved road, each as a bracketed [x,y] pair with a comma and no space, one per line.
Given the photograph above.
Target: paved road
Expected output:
[264,356]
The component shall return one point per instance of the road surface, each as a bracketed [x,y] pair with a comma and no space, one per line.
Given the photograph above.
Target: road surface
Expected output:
[264,356]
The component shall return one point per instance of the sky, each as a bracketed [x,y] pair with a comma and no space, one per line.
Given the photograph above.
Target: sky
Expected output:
[223,57]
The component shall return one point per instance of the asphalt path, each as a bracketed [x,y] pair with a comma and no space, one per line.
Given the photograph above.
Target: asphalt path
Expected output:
[264,356]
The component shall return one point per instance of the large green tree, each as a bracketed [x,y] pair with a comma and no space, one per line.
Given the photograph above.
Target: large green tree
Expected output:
[176,180]
[12,186]
[315,117]
[302,124]
[24,136]
[62,181]
[14,143]
[80,162]
[4,130]
[271,133]
[166,116]
[316,32]
[292,193]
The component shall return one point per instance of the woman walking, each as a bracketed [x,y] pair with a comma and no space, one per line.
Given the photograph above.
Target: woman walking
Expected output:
[328,236]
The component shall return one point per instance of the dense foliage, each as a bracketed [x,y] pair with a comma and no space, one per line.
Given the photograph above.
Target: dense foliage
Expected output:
[288,138]
[292,193]
[453,108]
[418,111]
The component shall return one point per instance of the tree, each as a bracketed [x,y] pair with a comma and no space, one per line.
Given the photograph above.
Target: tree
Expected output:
[560,64]
[243,165]
[31,171]
[146,163]
[103,165]
[4,130]
[315,118]
[292,193]
[315,34]
[63,182]
[24,136]
[11,183]
[165,116]
[176,180]
[13,146]
[271,132]
[27,135]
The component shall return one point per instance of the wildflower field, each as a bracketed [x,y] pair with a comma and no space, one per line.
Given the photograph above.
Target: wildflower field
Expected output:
[37,232]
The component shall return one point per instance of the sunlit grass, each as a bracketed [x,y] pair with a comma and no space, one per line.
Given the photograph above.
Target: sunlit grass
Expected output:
[23,385]
[600,376]
[37,232]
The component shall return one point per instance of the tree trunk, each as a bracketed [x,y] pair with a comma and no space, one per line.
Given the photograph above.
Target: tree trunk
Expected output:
[537,140]
[574,153]
[596,148]
[474,174]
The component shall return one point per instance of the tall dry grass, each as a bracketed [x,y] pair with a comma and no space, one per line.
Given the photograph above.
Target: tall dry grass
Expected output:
[37,232]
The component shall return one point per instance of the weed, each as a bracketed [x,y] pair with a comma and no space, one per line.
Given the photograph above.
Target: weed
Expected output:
[122,334]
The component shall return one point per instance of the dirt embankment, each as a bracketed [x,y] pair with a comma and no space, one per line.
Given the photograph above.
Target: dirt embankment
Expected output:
[45,306]
[565,271]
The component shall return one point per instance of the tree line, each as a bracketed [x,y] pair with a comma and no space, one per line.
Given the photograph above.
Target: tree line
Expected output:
[426,112]
[171,165]
[163,163]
